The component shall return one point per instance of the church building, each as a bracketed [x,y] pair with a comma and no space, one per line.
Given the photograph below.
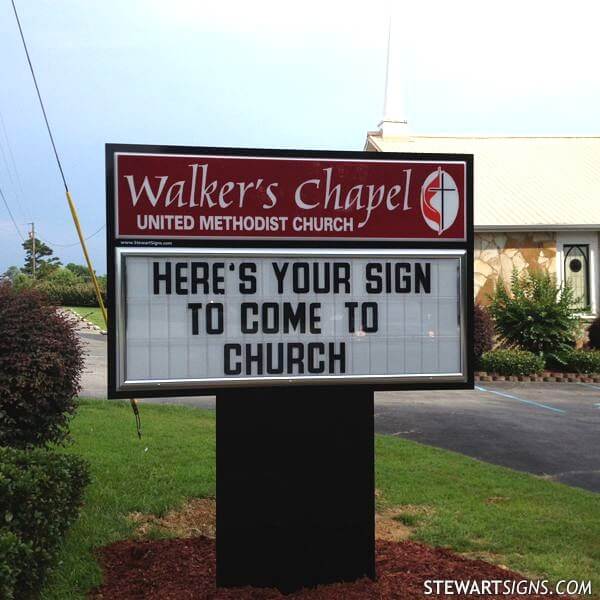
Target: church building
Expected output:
[536,199]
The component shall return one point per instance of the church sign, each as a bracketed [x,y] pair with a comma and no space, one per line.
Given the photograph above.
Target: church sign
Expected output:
[215,196]
[232,268]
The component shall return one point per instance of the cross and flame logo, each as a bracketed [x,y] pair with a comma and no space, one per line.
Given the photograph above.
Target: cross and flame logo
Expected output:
[439,201]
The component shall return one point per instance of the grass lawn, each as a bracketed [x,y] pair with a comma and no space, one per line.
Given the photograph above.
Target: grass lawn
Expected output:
[93,314]
[540,528]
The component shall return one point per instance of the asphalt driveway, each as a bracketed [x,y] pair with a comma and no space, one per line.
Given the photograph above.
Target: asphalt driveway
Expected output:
[548,429]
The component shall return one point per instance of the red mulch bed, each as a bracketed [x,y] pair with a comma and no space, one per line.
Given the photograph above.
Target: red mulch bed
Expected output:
[185,568]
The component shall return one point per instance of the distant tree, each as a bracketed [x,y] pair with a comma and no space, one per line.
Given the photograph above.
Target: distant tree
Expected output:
[11,273]
[80,270]
[17,278]
[45,263]
[23,281]
[63,276]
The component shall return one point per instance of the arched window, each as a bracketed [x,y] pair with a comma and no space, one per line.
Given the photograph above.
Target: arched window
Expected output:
[577,273]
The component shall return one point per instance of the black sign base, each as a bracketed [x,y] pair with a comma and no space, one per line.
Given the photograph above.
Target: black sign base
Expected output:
[295,487]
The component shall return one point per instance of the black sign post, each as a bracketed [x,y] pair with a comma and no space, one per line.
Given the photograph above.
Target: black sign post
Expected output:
[293,285]
[295,487]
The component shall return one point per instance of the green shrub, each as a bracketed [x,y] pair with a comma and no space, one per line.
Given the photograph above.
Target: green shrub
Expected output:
[536,315]
[40,365]
[579,361]
[40,496]
[62,287]
[512,362]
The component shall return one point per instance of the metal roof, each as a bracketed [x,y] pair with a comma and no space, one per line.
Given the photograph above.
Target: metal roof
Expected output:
[521,182]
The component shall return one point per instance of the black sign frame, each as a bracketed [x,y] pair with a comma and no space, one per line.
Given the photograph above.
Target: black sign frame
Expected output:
[112,243]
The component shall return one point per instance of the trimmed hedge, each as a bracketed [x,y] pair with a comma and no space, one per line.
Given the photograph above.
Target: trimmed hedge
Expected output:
[40,364]
[512,362]
[40,496]
[14,555]
[74,294]
[580,361]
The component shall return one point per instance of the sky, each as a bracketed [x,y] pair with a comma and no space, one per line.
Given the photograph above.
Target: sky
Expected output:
[267,74]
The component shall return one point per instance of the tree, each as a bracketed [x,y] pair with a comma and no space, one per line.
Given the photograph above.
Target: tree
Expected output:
[45,263]
[17,278]
[80,270]
[63,276]
[11,273]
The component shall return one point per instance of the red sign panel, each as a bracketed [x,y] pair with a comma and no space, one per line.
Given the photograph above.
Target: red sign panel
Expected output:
[173,196]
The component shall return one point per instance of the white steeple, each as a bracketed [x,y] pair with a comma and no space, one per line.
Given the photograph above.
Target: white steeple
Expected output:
[394,123]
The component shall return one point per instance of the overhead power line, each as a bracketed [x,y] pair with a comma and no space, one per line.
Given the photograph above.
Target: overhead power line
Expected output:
[10,214]
[89,237]
[39,95]
[20,194]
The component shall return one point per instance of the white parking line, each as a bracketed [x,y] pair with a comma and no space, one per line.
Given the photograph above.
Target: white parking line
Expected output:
[532,402]
[596,387]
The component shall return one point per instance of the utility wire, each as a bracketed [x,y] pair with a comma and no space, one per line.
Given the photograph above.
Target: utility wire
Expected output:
[19,188]
[37,89]
[89,237]
[12,182]
[10,214]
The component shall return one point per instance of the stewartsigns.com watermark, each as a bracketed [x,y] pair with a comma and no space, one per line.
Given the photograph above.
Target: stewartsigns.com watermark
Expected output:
[505,587]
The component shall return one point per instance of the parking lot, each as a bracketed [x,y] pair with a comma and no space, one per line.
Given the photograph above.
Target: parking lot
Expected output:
[548,429]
